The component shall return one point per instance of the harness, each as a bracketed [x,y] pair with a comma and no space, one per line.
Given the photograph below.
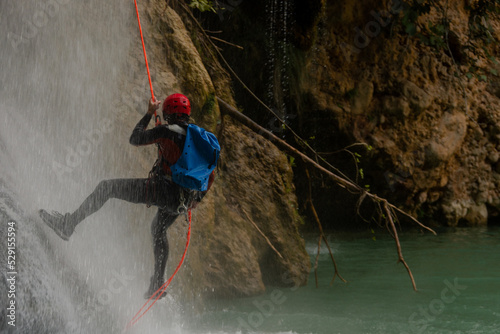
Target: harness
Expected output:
[157,176]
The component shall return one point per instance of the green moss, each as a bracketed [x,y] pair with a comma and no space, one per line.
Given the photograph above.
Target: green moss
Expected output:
[209,108]
[209,112]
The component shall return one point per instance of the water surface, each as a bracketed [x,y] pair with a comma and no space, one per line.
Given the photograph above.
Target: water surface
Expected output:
[457,275]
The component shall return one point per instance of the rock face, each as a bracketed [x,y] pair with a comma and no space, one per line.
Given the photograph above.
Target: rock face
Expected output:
[258,188]
[434,130]
[355,76]
[363,97]
[446,139]
[253,191]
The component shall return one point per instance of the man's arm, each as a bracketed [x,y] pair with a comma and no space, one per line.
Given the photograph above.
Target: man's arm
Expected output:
[141,136]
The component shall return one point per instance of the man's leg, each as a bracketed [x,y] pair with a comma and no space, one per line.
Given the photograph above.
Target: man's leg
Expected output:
[162,221]
[131,190]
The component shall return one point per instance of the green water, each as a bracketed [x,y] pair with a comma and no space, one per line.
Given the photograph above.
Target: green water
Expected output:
[457,275]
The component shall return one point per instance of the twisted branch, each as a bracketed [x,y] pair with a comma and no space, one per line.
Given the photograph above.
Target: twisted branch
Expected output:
[262,234]
[390,221]
[389,209]
[321,236]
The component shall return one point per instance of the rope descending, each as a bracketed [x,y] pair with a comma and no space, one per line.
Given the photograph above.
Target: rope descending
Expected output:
[157,119]
[162,288]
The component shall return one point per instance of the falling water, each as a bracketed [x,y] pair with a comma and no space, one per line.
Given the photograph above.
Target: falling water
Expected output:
[278,59]
[62,62]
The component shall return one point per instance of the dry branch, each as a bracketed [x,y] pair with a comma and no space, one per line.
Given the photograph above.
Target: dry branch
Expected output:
[390,221]
[316,262]
[229,110]
[347,184]
[226,42]
[321,236]
[262,234]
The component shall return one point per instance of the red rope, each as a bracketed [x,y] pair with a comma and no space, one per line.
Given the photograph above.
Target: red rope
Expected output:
[162,288]
[157,119]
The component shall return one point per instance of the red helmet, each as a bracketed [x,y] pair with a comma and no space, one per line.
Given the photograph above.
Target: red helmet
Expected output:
[176,104]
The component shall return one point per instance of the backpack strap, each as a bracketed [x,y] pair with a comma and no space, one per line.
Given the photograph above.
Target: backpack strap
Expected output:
[176,128]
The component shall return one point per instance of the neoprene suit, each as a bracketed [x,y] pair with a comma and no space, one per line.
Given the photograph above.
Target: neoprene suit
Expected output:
[157,190]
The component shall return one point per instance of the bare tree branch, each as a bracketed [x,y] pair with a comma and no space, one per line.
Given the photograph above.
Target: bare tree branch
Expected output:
[262,234]
[321,236]
[401,259]
[384,207]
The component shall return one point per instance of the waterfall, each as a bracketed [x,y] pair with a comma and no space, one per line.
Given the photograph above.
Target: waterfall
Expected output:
[278,59]
[62,62]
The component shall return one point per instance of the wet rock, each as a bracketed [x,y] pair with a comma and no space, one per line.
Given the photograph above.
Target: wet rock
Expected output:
[455,210]
[433,196]
[362,98]
[465,212]
[396,106]
[477,215]
[422,197]
[443,181]
[493,156]
[446,140]
[418,98]
[183,58]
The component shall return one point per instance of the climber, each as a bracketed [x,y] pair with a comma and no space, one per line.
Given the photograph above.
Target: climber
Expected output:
[158,190]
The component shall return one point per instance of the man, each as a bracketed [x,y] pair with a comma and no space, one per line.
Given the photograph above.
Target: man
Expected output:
[158,190]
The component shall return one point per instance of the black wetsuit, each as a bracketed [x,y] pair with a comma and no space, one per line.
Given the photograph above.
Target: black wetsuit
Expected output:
[157,190]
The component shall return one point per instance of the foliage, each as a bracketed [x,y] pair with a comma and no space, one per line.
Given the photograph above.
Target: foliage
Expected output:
[357,157]
[350,94]
[481,36]
[203,5]
[412,11]
[437,34]
[429,33]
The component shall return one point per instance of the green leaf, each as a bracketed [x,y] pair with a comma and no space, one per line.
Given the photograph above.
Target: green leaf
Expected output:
[203,5]
[423,39]
[411,29]
[440,29]
[494,60]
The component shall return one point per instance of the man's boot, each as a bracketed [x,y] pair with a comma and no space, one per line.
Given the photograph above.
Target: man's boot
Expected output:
[61,224]
[153,287]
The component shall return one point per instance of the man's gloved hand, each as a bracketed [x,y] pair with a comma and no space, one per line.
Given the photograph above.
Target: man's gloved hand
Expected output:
[153,106]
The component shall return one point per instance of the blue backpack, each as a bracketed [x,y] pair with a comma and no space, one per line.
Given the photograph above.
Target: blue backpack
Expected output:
[198,159]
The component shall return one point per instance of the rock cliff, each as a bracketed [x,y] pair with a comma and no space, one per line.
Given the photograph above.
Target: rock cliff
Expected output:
[419,95]
[433,127]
